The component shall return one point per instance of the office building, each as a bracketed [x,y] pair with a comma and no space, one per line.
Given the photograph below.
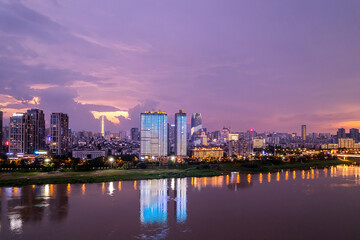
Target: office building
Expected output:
[180,133]
[303,132]
[354,134]
[153,134]
[59,132]
[258,143]
[196,128]
[34,131]
[135,135]
[1,131]
[16,133]
[341,133]
[346,143]
[27,132]
[207,153]
[171,139]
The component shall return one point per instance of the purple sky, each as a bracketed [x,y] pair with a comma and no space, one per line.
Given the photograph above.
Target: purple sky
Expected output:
[267,65]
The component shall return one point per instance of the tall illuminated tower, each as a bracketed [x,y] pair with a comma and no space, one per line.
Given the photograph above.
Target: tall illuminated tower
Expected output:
[59,131]
[180,133]
[153,134]
[16,133]
[1,130]
[102,126]
[196,127]
[34,138]
[303,132]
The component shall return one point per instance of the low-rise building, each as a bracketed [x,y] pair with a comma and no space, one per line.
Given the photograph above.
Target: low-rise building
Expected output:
[207,153]
[88,154]
[346,143]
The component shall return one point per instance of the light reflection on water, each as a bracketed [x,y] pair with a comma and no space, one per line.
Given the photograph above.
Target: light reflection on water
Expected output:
[162,204]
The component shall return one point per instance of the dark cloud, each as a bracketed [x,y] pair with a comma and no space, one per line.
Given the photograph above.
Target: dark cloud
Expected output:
[260,64]
[134,114]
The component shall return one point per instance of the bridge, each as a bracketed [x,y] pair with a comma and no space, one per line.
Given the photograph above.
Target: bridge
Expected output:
[348,155]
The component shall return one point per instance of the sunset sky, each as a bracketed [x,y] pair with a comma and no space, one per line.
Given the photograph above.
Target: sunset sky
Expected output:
[267,65]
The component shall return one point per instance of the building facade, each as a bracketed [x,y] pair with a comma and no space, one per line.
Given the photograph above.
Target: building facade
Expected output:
[303,132]
[346,143]
[16,133]
[153,134]
[27,132]
[34,138]
[341,133]
[354,134]
[88,154]
[207,153]
[196,128]
[1,131]
[135,135]
[180,133]
[59,132]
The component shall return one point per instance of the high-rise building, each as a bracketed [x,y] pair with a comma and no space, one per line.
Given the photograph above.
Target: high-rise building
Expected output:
[135,136]
[27,132]
[196,128]
[59,132]
[180,133]
[303,132]
[1,130]
[16,133]
[341,133]
[354,134]
[34,137]
[102,126]
[171,139]
[153,134]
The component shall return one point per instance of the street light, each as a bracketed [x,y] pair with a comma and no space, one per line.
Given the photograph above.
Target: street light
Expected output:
[111,161]
[47,160]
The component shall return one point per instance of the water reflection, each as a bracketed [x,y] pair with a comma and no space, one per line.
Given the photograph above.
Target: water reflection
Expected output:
[181,201]
[159,203]
[33,204]
[153,201]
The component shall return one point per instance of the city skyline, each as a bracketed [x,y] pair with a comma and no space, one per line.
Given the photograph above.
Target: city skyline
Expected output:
[301,132]
[262,65]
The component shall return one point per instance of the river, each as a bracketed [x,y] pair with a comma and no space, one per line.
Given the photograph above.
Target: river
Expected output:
[310,204]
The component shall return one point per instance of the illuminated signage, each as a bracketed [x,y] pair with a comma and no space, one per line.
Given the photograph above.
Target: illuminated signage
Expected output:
[40,152]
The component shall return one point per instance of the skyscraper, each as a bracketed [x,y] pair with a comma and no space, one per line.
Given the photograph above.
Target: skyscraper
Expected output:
[180,133]
[27,132]
[303,132]
[196,127]
[341,133]
[171,139]
[34,137]
[1,130]
[153,134]
[16,133]
[354,134]
[59,131]
[135,134]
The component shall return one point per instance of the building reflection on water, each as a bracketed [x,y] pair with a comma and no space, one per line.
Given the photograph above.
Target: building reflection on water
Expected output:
[32,204]
[153,201]
[162,201]
[155,197]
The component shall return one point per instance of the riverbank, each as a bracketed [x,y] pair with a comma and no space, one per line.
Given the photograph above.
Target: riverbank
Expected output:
[205,170]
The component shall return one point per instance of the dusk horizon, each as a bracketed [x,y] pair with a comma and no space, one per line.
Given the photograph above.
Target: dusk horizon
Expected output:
[154,119]
[244,64]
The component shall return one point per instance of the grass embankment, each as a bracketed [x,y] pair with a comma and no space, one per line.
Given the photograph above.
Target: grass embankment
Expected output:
[39,178]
